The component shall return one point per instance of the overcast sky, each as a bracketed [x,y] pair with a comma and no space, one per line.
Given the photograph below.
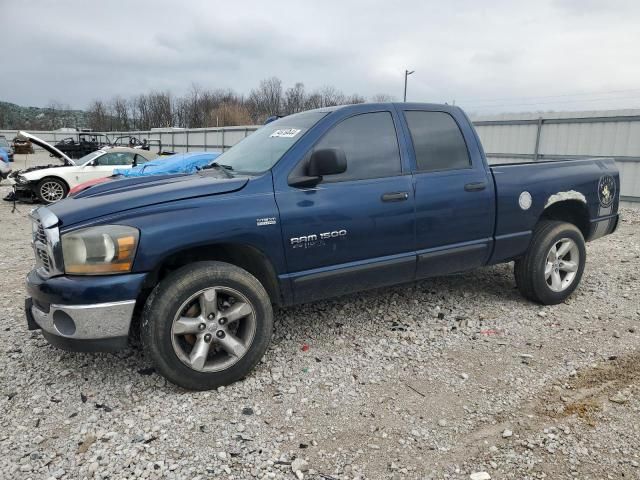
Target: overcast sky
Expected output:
[490,55]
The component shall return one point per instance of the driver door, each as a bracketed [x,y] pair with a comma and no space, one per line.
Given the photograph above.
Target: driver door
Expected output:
[355,230]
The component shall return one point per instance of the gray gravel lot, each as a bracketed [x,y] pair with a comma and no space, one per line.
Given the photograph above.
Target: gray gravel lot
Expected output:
[442,379]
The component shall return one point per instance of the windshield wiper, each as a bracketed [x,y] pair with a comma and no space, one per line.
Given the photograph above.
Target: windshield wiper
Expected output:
[224,168]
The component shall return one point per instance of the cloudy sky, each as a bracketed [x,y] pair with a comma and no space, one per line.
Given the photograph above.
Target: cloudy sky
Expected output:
[488,56]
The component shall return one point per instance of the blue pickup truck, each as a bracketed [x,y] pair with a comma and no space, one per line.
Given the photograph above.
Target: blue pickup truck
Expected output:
[310,206]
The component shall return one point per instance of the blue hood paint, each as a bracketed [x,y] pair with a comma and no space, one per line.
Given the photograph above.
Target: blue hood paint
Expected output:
[127,194]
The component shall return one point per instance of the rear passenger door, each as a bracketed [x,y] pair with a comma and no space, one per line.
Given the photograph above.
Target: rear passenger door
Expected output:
[454,193]
[354,230]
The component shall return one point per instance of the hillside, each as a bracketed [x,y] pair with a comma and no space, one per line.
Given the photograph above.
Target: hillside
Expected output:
[14,116]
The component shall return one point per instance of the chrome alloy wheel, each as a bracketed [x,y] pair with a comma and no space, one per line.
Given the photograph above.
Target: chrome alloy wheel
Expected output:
[213,329]
[563,261]
[51,191]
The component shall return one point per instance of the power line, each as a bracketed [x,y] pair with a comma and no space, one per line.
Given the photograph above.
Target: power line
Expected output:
[603,99]
[489,100]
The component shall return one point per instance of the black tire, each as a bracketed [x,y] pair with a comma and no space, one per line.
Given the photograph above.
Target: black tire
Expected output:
[167,298]
[529,270]
[47,182]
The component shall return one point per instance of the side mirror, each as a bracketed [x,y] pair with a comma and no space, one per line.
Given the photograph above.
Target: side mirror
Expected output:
[326,161]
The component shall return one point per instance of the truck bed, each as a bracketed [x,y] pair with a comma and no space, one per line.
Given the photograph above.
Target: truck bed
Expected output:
[547,182]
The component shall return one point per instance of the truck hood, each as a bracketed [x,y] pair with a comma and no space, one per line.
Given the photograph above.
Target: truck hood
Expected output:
[128,194]
[47,146]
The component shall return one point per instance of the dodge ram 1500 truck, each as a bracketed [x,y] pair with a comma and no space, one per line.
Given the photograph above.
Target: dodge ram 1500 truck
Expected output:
[312,205]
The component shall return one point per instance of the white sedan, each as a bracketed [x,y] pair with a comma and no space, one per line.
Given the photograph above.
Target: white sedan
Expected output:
[53,182]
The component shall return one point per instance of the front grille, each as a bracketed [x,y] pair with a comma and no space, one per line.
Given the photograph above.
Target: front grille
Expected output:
[42,259]
[46,242]
[41,248]
[40,235]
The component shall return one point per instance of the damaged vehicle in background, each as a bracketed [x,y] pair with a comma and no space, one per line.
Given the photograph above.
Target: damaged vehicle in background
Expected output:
[6,146]
[185,163]
[51,183]
[82,144]
[5,167]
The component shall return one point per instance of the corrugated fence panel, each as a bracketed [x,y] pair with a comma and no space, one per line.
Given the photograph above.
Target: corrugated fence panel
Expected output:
[568,134]
[508,138]
[629,180]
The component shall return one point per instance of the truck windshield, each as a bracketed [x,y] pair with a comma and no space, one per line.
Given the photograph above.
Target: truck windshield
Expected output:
[262,149]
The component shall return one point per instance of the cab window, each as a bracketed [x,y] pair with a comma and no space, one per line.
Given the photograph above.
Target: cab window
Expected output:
[115,158]
[437,141]
[370,145]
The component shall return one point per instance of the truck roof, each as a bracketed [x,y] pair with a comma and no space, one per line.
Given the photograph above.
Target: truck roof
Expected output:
[439,106]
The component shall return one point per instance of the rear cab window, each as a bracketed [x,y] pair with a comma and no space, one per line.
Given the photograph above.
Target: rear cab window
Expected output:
[437,141]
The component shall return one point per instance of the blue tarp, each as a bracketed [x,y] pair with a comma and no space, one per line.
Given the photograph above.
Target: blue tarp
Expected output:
[178,163]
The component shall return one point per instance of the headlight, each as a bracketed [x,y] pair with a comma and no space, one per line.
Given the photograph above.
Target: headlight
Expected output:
[20,179]
[100,250]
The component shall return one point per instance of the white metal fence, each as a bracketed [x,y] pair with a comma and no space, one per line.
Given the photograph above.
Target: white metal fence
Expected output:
[506,138]
[534,137]
[173,139]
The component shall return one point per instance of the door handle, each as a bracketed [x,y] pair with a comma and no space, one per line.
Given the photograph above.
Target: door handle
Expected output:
[475,186]
[395,196]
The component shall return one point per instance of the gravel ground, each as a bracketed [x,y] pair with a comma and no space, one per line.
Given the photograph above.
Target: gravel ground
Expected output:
[447,378]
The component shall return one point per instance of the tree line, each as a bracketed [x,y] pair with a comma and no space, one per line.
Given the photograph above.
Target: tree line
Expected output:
[201,107]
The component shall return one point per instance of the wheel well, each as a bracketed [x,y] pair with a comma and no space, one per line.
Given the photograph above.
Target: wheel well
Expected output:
[246,257]
[570,211]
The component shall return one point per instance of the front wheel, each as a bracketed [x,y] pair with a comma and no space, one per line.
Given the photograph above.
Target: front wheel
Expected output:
[552,267]
[206,325]
[51,190]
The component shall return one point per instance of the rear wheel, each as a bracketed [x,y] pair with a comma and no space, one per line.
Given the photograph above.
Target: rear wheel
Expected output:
[207,324]
[552,267]
[51,190]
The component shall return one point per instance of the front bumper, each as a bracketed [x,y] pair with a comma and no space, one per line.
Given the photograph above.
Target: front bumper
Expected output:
[83,313]
[25,192]
[99,327]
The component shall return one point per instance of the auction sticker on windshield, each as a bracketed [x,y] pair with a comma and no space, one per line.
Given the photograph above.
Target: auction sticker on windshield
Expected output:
[286,133]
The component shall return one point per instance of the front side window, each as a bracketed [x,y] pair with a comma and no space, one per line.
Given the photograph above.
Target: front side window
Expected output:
[140,159]
[89,157]
[115,158]
[437,141]
[370,145]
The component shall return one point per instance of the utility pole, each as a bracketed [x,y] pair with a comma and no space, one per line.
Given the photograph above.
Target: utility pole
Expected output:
[406,74]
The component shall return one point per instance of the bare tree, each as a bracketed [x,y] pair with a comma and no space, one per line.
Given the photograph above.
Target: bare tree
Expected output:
[160,109]
[355,99]
[199,107]
[232,113]
[382,98]
[266,100]
[119,108]
[314,100]
[294,99]
[332,97]
[142,112]
[98,116]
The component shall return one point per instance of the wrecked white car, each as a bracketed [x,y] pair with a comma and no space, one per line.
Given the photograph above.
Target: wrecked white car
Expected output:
[51,183]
